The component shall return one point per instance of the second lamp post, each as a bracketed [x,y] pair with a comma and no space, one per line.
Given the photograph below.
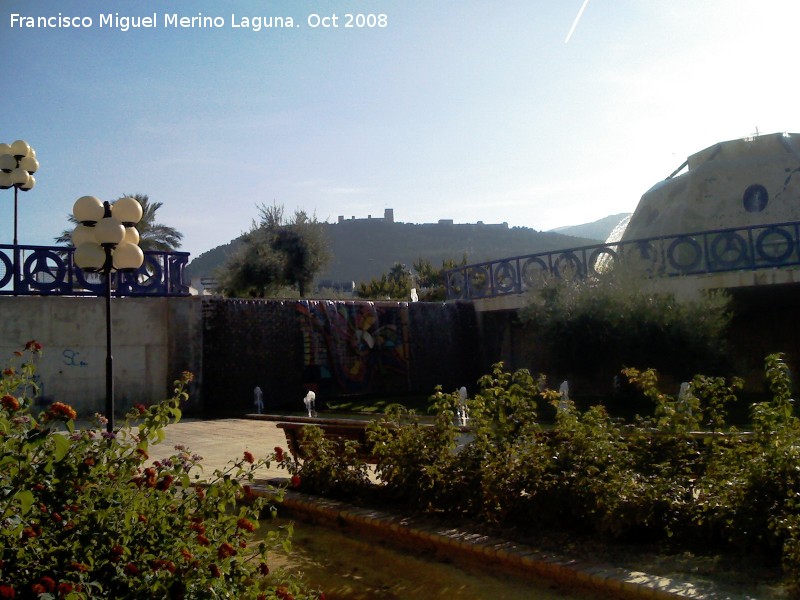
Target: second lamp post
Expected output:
[106,240]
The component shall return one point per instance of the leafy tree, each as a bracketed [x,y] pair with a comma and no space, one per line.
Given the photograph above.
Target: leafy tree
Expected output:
[394,285]
[276,252]
[397,283]
[153,235]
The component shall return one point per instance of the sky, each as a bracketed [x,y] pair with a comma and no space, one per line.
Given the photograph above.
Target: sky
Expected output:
[471,110]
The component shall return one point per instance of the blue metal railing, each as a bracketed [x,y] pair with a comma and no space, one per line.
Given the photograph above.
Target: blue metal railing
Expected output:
[715,251]
[51,271]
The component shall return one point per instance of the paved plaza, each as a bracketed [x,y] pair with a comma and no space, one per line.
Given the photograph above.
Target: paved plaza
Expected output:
[223,440]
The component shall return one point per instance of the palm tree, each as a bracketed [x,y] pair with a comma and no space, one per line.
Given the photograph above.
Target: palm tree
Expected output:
[153,235]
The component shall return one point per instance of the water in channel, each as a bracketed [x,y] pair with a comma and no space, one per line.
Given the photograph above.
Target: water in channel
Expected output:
[346,567]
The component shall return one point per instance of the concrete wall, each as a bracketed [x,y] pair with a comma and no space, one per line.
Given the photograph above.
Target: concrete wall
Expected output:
[154,339]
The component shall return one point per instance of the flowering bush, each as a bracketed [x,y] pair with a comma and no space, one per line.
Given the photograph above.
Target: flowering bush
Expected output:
[683,474]
[84,514]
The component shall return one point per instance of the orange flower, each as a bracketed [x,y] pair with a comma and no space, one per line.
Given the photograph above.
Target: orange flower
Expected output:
[246,524]
[10,403]
[59,409]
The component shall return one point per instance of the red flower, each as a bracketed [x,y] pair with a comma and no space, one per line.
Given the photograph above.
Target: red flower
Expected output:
[48,583]
[263,568]
[38,588]
[295,481]
[225,550]
[198,527]
[80,567]
[278,453]
[7,591]
[186,554]
[10,403]
[9,372]
[131,569]
[141,408]
[246,524]
[164,484]
[214,570]
[203,540]
[116,554]
[33,346]
[143,453]
[64,588]
[248,457]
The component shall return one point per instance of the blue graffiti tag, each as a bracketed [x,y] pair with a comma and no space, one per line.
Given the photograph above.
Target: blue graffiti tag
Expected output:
[71,358]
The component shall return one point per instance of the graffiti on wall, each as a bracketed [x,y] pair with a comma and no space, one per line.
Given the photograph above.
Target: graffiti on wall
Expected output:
[71,359]
[355,345]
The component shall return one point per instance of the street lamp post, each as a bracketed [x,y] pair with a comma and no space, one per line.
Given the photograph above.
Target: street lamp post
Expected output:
[106,240]
[17,165]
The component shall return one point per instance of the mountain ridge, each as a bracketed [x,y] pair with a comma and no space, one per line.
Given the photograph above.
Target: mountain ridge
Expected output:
[362,249]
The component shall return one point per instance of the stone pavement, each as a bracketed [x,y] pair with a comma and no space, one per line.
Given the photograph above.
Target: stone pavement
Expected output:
[223,440]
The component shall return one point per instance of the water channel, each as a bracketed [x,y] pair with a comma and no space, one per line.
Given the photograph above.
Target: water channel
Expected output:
[347,567]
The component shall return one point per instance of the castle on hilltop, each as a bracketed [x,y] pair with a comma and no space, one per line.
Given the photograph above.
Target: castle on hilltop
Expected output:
[388,217]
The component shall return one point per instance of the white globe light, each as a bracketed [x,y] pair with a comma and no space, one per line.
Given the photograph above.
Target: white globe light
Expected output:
[83,235]
[109,231]
[5,180]
[131,235]
[128,257]
[20,148]
[7,162]
[88,209]
[29,163]
[19,176]
[127,210]
[90,257]
[5,148]
[28,185]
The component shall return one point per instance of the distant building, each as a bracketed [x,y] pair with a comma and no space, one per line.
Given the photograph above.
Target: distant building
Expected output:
[388,217]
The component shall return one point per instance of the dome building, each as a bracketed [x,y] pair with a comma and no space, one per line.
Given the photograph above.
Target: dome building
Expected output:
[739,183]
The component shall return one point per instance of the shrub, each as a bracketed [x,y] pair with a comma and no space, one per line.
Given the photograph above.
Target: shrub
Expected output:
[83,515]
[682,474]
[332,468]
[619,319]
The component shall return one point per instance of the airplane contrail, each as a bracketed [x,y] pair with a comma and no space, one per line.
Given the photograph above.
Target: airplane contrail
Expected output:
[575,22]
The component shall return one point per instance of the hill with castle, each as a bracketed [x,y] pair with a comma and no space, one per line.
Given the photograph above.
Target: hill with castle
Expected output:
[363,248]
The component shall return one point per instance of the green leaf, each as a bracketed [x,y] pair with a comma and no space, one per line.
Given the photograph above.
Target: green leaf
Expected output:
[25,498]
[62,445]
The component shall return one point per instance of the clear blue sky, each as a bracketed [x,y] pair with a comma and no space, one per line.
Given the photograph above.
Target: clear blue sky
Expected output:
[468,110]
